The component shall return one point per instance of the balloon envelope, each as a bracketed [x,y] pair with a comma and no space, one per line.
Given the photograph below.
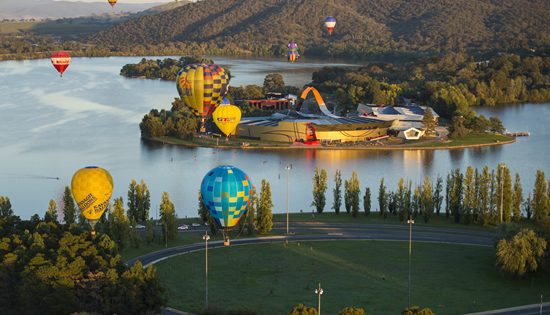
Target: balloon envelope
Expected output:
[60,61]
[330,23]
[92,187]
[227,117]
[112,2]
[225,192]
[202,87]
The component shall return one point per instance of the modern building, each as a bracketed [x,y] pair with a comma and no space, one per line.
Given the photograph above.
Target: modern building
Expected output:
[293,128]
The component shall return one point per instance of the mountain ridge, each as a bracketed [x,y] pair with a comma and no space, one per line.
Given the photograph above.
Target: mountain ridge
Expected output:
[362,25]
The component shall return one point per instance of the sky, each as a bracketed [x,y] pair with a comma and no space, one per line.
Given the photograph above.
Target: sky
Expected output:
[121,1]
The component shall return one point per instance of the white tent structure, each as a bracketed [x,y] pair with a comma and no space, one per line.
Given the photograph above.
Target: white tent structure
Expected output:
[411,134]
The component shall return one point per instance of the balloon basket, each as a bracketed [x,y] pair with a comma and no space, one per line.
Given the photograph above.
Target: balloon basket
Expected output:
[92,232]
[226,242]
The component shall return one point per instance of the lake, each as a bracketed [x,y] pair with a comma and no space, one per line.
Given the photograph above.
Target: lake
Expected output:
[51,126]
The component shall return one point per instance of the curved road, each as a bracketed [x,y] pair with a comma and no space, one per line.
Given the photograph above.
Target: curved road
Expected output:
[303,231]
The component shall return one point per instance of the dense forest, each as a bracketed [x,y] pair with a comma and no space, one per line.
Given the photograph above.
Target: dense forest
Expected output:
[363,27]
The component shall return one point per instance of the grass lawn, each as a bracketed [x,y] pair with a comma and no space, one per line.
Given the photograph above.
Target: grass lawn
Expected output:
[271,278]
[470,139]
[373,218]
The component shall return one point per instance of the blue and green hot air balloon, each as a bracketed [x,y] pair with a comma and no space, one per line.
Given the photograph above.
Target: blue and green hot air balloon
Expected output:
[225,192]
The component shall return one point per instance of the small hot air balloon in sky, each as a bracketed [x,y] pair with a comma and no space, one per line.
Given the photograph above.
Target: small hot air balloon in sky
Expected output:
[225,192]
[292,54]
[202,87]
[92,187]
[227,117]
[330,23]
[112,3]
[61,60]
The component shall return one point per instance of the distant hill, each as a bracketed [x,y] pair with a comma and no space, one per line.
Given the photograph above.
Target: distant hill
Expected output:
[41,9]
[363,26]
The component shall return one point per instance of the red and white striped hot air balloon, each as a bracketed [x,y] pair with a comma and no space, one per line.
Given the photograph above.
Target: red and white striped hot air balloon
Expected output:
[61,60]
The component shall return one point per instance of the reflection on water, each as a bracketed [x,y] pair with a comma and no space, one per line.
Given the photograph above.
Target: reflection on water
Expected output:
[51,127]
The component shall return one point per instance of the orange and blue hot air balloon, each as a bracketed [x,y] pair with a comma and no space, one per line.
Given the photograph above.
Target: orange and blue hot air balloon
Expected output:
[225,192]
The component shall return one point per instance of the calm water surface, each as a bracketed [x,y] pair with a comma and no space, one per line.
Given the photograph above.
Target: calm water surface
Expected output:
[51,126]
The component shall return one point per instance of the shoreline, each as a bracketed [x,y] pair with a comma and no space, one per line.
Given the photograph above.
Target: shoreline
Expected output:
[186,143]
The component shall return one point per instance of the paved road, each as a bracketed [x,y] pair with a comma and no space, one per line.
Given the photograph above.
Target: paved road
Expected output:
[305,231]
[337,231]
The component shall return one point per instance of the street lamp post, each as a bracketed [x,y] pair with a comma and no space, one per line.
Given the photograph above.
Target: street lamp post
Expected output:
[288,168]
[410,222]
[319,292]
[501,168]
[206,237]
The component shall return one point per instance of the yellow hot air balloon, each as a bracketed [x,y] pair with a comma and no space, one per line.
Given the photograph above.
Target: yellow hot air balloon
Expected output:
[112,3]
[92,187]
[227,117]
[202,87]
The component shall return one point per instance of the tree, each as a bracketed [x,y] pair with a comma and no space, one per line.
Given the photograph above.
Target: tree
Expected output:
[484,196]
[522,254]
[319,189]
[470,205]
[51,212]
[264,220]
[496,125]
[367,201]
[301,309]
[69,209]
[456,196]
[438,197]
[354,192]
[427,203]
[458,130]
[337,192]
[382,199]
[352,310]
[204,214]
[167,213]
[139,201]
[251,212]
[415,310]
[273,82]
[539,199]
[527,207]
[429,122]
[347,196]
[448,189]
[504,192]
[118,224]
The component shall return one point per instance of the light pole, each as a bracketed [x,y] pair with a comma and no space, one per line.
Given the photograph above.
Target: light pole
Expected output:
[319,292]
[206,237]
[501,168]
[288,168]
[410,221]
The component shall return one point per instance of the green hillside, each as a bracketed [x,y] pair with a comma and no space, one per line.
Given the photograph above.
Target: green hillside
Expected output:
[363,26]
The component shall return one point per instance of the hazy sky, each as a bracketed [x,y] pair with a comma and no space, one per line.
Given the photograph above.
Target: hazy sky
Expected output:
[121,1]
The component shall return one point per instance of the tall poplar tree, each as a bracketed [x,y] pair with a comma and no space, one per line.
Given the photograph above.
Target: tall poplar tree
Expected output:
[517,199]
[382,199]
[438,196]
[539,198]
[319,189]
[400,195]
[337,192]
[167,213]
[51,213]
[118,224]
[469,195]
[355,191]
[264,219]
[69,209]
[367,201]
[485,196]
[427,202]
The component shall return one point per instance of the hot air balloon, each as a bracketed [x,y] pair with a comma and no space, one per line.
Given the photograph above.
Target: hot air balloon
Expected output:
[202,87]
[292,54]
[227,117]
[225,192]
[330,23]
[92,187]
[112,3]
[61,60]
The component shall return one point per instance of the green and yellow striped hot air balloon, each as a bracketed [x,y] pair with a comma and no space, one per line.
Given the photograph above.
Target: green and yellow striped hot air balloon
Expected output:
[202,87]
